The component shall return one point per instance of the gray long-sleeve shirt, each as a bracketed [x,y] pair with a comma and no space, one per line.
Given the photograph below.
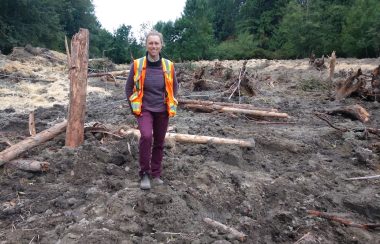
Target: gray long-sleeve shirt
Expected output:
[154,87]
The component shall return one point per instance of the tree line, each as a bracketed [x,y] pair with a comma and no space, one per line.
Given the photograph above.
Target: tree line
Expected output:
[207,29]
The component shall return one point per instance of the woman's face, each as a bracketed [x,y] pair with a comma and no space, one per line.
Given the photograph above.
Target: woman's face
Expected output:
[153,46]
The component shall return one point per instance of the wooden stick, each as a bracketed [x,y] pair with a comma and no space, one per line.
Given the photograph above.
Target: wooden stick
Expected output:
[28,165]
[364,177]
[320,115]
[342,220]
[208,103]
[32,124]
[78,88]
[237,234]
[197,139]
[212,108]
[15,150]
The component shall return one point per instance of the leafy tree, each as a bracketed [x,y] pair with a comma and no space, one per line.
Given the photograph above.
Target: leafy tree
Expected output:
[123,47]
[223,18]
[27,21]
[196,34]
[361,31]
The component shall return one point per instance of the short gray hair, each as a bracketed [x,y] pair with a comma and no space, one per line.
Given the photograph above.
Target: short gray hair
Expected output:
[155,33]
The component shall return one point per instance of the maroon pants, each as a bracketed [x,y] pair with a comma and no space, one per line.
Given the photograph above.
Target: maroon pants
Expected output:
[152,128]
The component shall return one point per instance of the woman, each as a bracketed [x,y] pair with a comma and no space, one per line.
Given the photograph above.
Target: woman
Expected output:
[151,89]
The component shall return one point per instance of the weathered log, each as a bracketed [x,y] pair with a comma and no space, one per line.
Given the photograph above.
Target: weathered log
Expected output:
[15,150]
[234,105]
[355,112]
[78,88]
[32,124]
[352,84]
[219,108]
[28,165]
[234,232]
[197,139]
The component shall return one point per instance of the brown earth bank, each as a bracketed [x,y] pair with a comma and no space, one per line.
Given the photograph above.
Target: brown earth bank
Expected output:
[91,194]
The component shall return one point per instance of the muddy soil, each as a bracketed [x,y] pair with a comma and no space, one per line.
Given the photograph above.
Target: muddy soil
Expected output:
[91,194]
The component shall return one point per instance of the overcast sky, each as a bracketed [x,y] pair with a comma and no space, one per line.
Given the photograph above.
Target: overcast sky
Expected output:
[113,13]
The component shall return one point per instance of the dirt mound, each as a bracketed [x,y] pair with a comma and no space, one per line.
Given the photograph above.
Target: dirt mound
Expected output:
[91,194]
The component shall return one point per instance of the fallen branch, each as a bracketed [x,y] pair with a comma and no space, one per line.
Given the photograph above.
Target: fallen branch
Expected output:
[234,232]
[320,115]
[364,177]
[197,139]
[15,150]
[28,165]
[212,108]
[342,220]
[234,105]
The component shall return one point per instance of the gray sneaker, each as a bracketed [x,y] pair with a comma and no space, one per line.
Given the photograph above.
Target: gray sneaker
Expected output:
[157,181]
[145,182]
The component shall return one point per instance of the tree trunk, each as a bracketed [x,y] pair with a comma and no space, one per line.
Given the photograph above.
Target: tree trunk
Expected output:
[15,150]
[78,88]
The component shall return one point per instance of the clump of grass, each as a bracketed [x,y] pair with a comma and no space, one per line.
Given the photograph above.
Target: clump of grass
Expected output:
[313,84]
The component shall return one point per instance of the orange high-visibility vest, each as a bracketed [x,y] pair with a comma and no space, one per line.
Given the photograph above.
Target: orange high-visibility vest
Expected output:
[138,89]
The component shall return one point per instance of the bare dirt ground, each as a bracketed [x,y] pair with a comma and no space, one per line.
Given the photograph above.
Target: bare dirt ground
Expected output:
[91,194]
